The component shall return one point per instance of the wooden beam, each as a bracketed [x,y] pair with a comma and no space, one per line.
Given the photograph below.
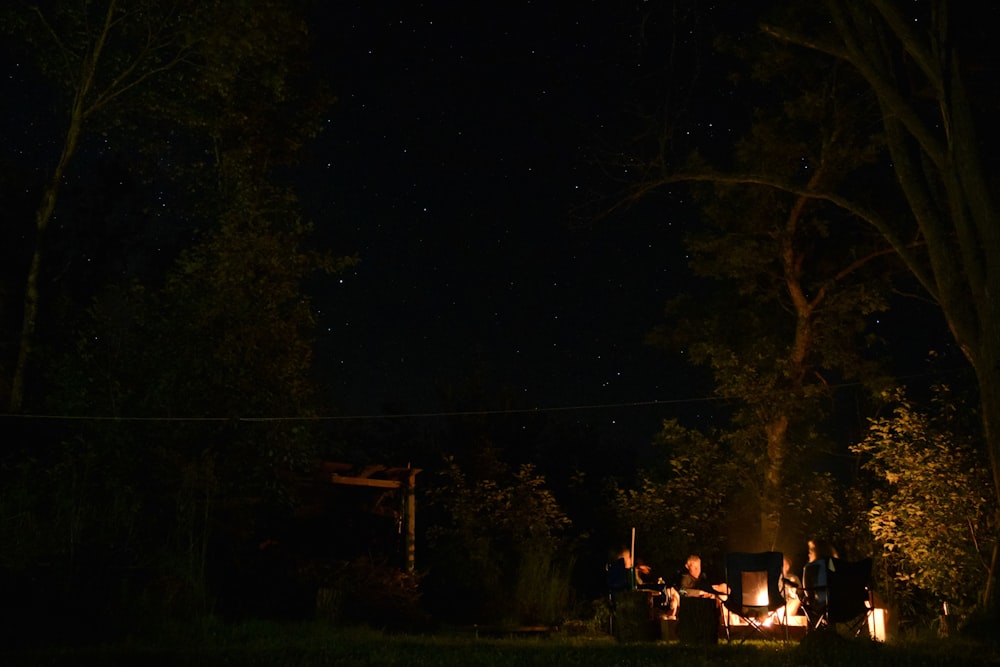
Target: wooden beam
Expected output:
[406,479]
[365,481]
[410,507]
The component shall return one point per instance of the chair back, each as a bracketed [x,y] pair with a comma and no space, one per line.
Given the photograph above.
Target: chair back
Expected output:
[618,576]
[849,586]
[815,584]
[754,581]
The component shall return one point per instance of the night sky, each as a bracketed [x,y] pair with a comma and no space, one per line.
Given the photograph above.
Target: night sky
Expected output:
[466,162]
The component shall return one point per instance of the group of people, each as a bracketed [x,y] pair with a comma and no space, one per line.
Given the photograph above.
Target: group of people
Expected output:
[692,581]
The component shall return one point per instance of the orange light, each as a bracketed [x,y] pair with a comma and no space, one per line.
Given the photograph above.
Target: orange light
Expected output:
[876,624]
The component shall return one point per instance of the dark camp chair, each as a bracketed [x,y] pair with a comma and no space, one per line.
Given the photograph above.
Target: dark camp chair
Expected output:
[837,591]
[755,594]
[618,579]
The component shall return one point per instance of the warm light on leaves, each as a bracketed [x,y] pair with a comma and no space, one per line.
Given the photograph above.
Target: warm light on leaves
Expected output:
[933,513]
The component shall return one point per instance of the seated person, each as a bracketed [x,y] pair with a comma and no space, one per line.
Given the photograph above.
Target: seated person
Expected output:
[790,586]
[621,576]
[618,571]
[814,594]
[699,610]
[820,550]
[694,583]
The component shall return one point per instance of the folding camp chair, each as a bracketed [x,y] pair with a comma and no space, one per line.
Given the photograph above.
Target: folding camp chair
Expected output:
[755,594]
[618,579]
[814,593]
[838,593]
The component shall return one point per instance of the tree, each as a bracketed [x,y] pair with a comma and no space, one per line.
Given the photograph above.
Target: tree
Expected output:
[497,542]
[228,330]
[920,62]
[681,504]
[793,284]
[924,66]
[933,510]
[118,66]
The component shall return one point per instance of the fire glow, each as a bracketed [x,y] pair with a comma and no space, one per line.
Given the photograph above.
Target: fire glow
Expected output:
[755,589]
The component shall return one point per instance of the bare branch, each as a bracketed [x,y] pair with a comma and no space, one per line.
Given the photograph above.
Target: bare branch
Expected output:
[798,39]
[922,56]
[902,248]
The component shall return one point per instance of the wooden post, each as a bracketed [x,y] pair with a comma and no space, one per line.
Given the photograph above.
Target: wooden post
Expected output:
[408,488]
[410,508]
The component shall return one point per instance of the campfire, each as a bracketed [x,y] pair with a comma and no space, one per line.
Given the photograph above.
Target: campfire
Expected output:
[755,589]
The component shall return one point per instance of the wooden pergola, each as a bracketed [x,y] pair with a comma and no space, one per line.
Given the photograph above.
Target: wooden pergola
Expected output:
[384,477]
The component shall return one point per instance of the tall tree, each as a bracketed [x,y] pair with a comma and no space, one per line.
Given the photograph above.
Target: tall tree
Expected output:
[227,332]
[926,64]
[121,65]
[795,283]
[926,67]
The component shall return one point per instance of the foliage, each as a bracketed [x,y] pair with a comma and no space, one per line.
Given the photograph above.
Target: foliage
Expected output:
[363,592]
[191,108]
[933,512]
[182,84]
[680,506]
[497,544]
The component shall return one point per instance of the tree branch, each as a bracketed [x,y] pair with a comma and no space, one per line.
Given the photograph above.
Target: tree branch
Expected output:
[902,248]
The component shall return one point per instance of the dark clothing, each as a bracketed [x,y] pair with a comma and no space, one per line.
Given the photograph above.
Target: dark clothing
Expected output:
[618,576]
[689,583]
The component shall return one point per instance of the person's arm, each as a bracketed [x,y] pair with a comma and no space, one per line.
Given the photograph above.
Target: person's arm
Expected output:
[695,588]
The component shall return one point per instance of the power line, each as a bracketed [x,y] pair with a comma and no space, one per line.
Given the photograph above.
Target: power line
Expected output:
[427,415]
[369,417]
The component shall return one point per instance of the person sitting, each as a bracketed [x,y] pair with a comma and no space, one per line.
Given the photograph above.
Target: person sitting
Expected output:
[819,549]
[699,610]
[790,586]
[619,571]
[814,595]
[694,583]
[622,576]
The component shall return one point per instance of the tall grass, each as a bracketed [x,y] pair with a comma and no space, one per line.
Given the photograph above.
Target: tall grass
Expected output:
[541,590]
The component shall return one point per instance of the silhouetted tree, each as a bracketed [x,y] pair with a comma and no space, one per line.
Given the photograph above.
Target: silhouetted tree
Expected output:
[926,65]
[793,282]
[137,71]
[210,99]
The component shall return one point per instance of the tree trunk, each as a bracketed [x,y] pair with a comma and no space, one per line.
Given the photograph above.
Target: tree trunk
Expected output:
[772,498]
[988,376]
[31,296]
[46,209]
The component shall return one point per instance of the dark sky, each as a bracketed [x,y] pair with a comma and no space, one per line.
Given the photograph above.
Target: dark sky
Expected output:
[458,163]
[465,162]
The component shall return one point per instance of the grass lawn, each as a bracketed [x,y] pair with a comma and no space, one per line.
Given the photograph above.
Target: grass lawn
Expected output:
[312,644]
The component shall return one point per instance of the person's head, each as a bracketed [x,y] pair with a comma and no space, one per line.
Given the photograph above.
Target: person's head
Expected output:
[693,565]
[625,554]
[819,549]
[786,566]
